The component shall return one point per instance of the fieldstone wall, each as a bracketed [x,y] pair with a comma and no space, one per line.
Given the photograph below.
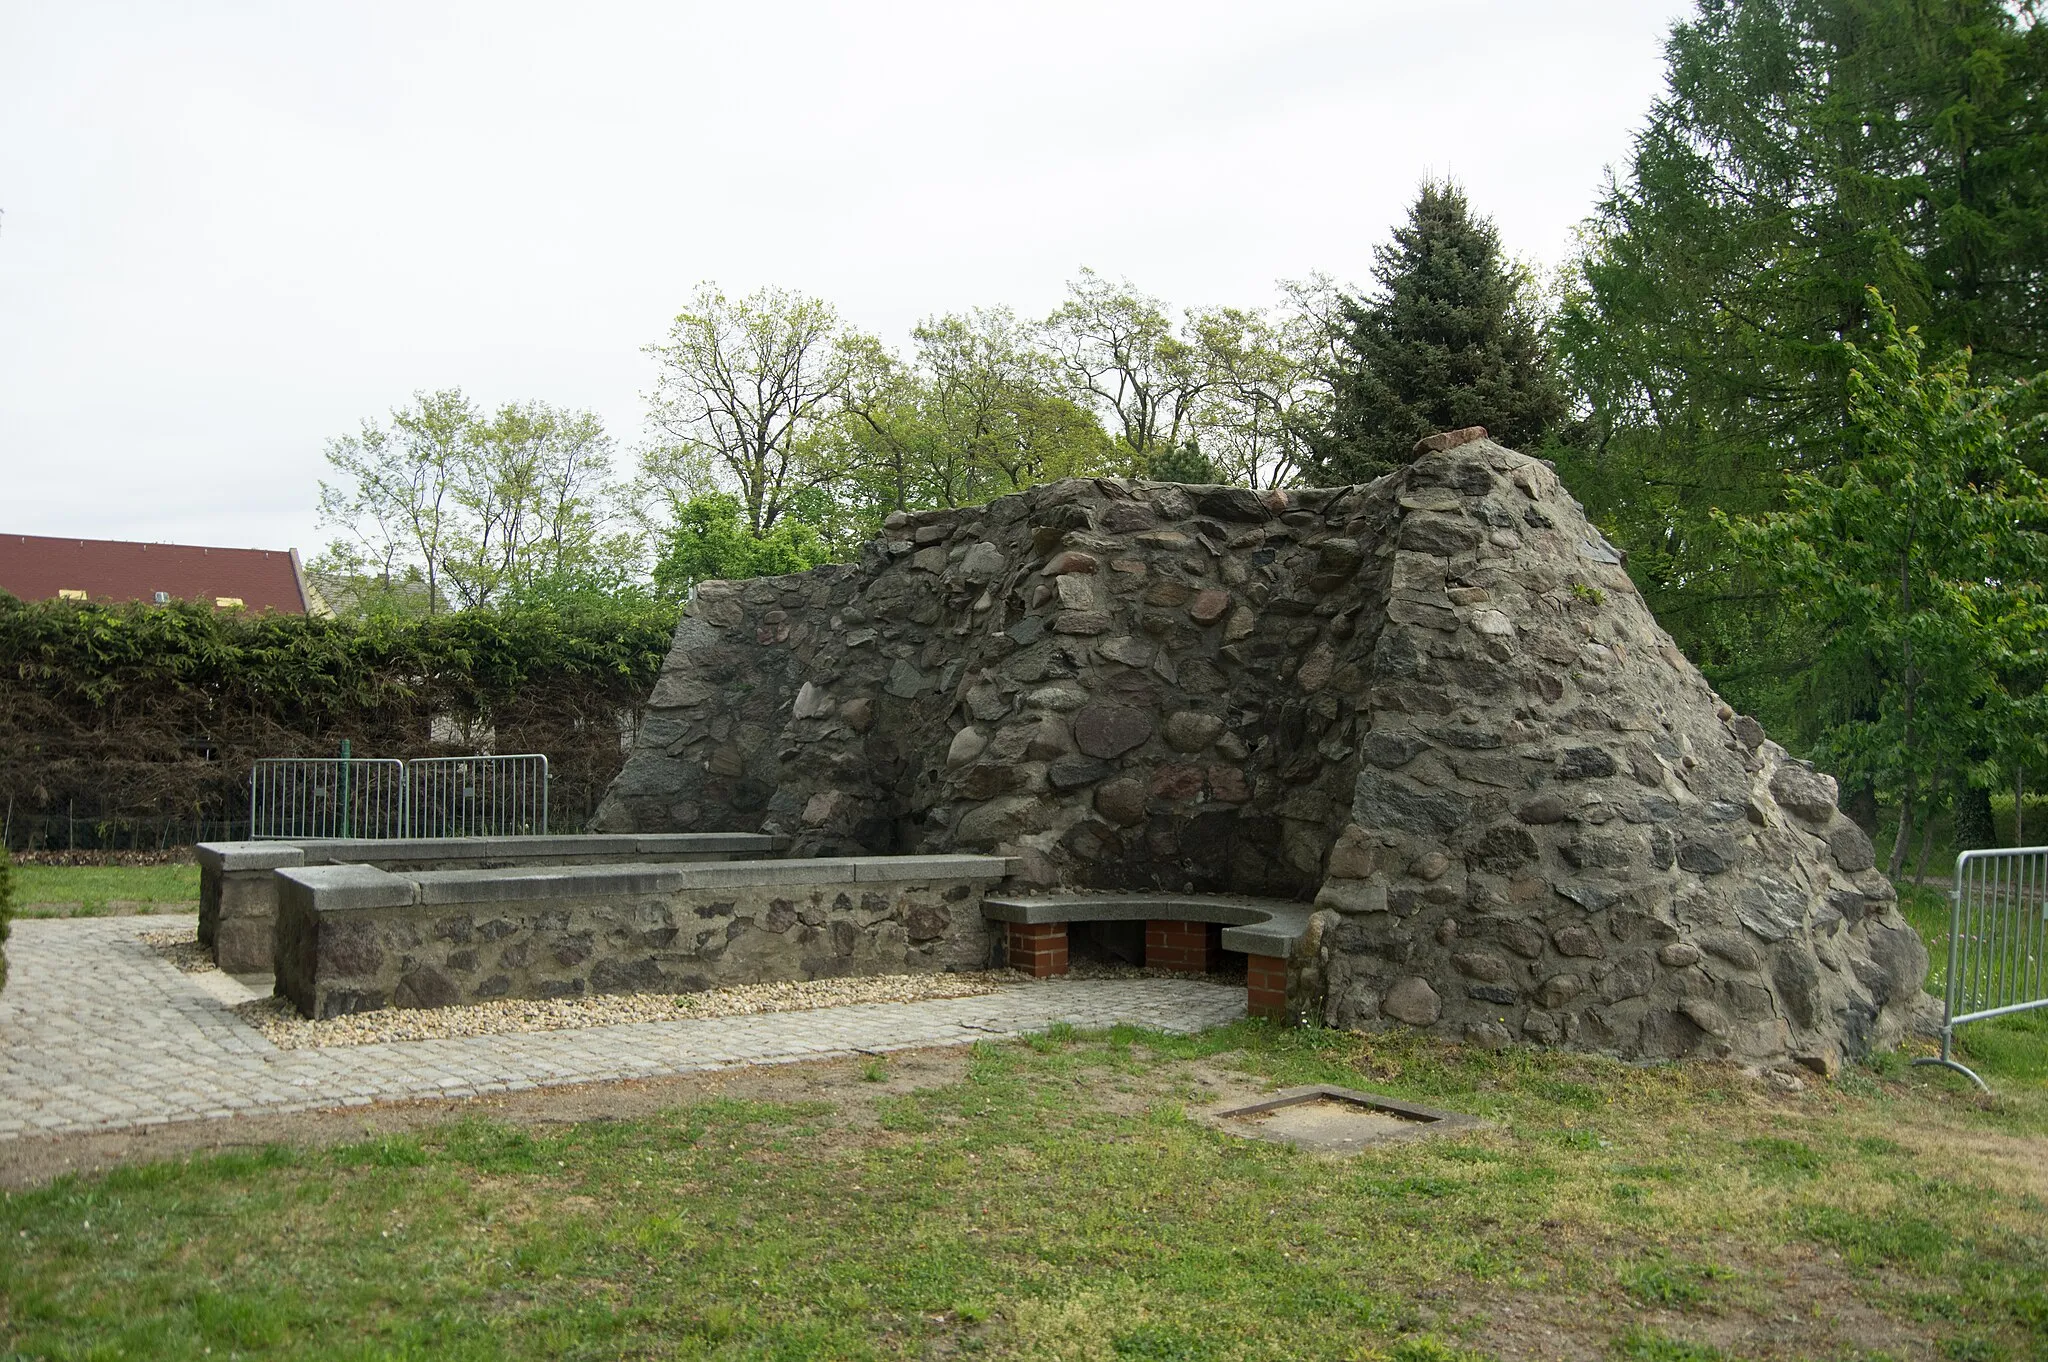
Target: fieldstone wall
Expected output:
[355,939]
[238,888]
[1133,685]
[1434,705]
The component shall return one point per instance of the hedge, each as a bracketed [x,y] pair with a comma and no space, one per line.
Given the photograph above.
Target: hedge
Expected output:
[137,721]
[6,911]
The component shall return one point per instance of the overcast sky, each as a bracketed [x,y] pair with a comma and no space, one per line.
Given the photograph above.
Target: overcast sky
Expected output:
[233,231]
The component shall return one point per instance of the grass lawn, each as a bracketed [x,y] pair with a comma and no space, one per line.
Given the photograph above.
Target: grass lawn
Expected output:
[1056,1199]
[89,890]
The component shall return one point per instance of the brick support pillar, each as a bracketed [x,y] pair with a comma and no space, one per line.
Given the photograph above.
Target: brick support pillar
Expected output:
[1265,986]
[1038,948]
[1180,946]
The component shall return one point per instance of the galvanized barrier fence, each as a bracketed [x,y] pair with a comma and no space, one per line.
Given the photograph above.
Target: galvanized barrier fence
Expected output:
[307,798]
[311,797]
[1997,938]
[476,796]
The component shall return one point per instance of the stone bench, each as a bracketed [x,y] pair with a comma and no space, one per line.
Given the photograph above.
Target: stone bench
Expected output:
[1268,931]
[356,937]
[238,892]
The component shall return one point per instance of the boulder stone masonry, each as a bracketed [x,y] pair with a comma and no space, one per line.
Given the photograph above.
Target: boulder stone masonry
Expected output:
[1435,706]
[353,938]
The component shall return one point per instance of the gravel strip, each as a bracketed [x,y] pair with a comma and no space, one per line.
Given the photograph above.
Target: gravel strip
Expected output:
[182,949]
[281,1024]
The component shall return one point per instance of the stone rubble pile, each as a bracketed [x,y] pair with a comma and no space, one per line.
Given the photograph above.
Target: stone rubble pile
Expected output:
[1434,705]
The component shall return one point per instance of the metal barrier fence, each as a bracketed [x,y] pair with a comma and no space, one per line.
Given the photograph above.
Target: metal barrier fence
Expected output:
[311,797]
[1997,937]
[477,796]
[307,798]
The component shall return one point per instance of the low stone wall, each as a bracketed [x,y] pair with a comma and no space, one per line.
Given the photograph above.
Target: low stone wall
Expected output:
[354,938]
[238,893]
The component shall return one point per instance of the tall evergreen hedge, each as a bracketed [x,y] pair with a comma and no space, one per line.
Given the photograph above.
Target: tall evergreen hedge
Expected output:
[6,911]
[143,713]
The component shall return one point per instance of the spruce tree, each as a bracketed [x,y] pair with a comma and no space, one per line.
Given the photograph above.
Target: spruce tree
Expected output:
[1183,462]
[1446,340]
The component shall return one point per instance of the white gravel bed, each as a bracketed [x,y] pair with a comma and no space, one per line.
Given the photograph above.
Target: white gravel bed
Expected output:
[281,1024]
[182,949]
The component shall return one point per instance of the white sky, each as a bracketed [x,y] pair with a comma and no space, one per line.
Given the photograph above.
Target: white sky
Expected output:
[232,231]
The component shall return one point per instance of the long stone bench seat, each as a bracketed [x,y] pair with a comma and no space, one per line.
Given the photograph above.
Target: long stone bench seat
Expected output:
[238,894]
[354,938]
[1268,931]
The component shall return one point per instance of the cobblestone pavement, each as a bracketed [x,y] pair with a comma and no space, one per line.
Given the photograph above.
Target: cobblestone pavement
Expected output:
[99,1032]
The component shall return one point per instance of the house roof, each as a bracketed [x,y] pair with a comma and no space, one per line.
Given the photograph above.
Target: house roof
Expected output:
[35,568]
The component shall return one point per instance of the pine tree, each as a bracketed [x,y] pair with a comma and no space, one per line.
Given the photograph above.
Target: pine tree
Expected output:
[1183,462]
[1446,340]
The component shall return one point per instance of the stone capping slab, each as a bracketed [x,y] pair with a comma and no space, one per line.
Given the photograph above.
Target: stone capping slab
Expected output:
[269,855]
[543,882]
[870,869]
[226,856]
[364,886]
[1254,926]
[347,886]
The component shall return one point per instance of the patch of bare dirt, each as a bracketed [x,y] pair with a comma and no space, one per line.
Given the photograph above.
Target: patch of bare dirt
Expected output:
[2009,1161]
[1795,1304]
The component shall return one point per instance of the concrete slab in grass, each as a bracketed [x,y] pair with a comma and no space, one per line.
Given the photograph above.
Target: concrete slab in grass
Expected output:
[1325,1119]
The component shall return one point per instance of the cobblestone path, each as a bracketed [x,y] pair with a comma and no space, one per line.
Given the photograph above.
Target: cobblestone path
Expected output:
[99,1032]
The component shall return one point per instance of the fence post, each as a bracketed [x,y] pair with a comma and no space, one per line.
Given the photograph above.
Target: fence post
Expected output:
[348,822]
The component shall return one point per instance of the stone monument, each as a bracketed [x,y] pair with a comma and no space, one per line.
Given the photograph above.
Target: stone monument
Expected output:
[1434,706]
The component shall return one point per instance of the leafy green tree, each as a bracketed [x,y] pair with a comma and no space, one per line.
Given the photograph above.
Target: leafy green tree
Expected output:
[450,506]
[747,389]
[710,539]
[1804,149]
[975,414]
[1449,338]
[1267,392]
[992,398]
[1117,350]
[1918,567]
[394,492]
[1239,381]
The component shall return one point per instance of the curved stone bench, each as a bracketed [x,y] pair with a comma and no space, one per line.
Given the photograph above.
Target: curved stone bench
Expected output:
[1266,930]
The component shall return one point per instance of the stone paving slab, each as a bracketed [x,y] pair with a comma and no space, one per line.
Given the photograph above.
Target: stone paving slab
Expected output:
[99,1032]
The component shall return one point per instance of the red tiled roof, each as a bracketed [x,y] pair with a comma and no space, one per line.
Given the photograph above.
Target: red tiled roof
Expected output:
[34,568]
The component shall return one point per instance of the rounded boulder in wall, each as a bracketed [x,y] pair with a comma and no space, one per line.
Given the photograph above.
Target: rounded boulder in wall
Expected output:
[1190,731]
[1121,801]
[1412,1001]
[1108,730]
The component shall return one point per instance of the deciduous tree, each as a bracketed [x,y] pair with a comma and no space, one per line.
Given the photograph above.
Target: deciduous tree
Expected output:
[1804,150]
[746,386]
[1917,567]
